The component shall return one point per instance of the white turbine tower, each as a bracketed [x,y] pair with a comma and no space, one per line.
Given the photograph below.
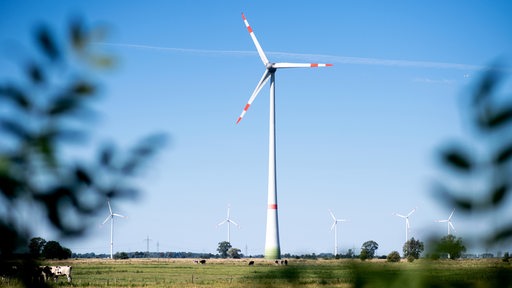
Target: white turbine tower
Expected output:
[229,221]
[111,218]
[407,225]
[272,247]
[448,221]
[334,226]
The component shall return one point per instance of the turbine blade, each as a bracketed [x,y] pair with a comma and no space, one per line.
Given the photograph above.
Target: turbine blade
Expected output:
[400,215]
[221,223]
[332,215]
[255,40]
[236,224]
[451,214]
[333,224]
[109,207]
[106,219]
[260,85]
[411,212]
[118,215]
[299,65]
[451,225]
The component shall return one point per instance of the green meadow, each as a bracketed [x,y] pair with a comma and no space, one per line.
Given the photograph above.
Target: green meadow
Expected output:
[298,273]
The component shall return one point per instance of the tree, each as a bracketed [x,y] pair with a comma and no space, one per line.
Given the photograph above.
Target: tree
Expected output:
[223,248]
[451,245]
[35,246]
[413,248]
[394,256]
[53,250]
[368,250]
[234,253]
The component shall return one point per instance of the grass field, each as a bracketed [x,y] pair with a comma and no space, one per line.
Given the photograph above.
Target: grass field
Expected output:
[299,273]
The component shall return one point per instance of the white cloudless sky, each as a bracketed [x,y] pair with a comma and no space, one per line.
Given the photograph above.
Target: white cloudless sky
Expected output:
[359,138]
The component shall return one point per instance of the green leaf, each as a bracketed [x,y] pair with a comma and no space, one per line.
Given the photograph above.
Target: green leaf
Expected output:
[502,234]
[35,73]
[17,96]
[47,44]
[487,86]
[499,194]
[83,176]
[83,88]
[503,156]
[77,35]
[457,159]
[500,118]
[106,156]
[448,196]
[15,128]
[62,105]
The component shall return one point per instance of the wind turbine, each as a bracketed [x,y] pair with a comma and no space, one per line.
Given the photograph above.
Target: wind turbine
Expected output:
[229,221]
[407,225]
[272,247]
[111,218]
[448,221]
[334,226]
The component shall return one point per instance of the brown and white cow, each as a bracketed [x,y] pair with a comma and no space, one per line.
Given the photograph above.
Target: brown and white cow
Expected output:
[57,271]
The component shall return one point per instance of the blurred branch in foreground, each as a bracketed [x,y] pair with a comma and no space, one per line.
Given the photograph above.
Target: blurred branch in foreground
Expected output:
[43,116]
[479,173]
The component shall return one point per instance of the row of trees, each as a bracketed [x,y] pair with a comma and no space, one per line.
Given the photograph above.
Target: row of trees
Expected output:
[449,245]
[40,248]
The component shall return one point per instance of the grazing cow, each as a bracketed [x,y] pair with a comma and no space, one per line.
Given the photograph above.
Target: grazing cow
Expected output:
[61,270]
[45,273]
[202,261]
[251,263]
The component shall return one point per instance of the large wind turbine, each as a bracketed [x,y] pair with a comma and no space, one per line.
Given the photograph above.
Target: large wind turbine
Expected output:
[111,218]
[229,221]
[407,225]
[272,247]
[334,226]
[448,221]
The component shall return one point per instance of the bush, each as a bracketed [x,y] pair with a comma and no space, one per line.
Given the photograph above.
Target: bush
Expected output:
[410,258]
[394,256]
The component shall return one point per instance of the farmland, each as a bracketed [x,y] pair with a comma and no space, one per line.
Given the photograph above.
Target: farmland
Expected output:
[299,273]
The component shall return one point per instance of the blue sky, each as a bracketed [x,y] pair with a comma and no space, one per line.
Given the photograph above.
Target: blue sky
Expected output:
[359,138]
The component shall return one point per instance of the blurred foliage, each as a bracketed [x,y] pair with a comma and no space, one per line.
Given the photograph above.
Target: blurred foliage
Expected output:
[478,173]
[43,117]
[449,245]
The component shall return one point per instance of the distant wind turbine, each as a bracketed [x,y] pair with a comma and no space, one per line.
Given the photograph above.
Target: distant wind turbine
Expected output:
[229,221]
[407,225]
[448,221]
[111,218]
[334,226]
[272,247]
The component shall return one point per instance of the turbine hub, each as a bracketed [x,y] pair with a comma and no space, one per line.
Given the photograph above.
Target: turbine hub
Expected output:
[270,67]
